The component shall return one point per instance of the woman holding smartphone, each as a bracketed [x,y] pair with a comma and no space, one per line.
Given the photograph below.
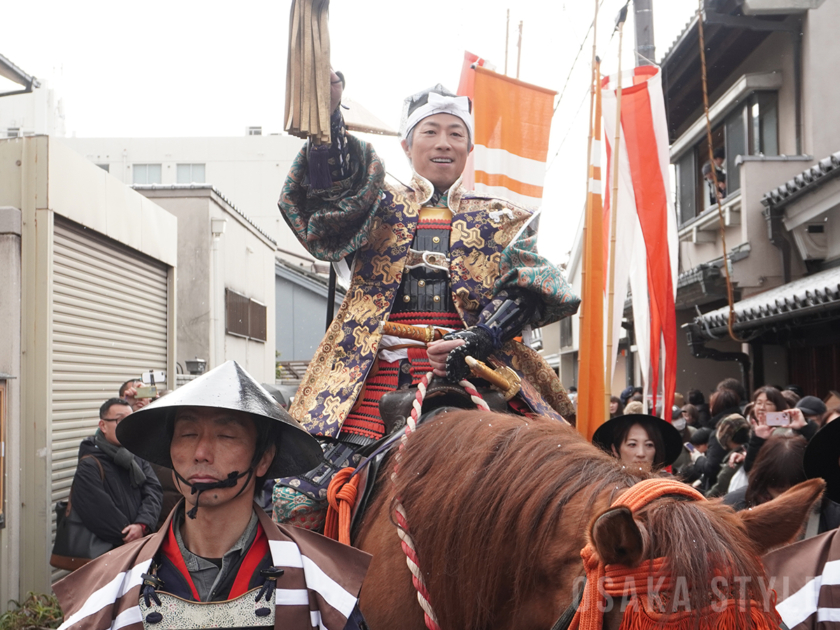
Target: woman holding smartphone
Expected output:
[771,412]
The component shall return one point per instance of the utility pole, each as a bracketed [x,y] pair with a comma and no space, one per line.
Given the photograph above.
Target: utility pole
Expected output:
[507,39]
[519,53]
[644,33]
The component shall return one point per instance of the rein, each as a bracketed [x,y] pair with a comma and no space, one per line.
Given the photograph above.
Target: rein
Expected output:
[406,541]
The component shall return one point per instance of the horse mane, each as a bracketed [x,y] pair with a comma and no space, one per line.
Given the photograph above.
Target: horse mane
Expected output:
[484,492]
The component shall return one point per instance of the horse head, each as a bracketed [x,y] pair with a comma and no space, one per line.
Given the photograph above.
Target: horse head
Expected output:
[666,555]
[502,508]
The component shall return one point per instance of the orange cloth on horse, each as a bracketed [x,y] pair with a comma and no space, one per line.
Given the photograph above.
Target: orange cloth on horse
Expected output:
[645,588]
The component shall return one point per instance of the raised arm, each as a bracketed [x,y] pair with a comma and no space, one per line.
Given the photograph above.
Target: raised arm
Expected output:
[332,191]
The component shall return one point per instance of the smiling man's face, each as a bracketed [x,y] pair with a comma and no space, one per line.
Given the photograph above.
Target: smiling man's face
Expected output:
[439,148]
[209,444]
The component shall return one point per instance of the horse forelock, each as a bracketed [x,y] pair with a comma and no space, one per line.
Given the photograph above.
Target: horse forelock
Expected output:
[709,553]
[487,496]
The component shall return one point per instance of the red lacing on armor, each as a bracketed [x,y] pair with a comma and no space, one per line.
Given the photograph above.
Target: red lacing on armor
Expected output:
[434,224]
[417,318]
[419,364]
[365,420]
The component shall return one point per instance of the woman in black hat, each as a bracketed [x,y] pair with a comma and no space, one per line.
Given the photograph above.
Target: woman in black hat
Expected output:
[640,441]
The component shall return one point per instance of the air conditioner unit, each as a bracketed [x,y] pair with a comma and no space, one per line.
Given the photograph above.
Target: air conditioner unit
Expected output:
[254,131]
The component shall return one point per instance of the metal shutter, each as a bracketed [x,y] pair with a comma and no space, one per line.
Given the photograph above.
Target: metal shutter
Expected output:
[109,324]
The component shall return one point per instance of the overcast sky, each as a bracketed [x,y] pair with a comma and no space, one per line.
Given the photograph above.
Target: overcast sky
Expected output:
[186,68]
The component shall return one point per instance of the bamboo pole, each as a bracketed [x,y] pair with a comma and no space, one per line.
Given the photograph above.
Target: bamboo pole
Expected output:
[613,216]
[519,53]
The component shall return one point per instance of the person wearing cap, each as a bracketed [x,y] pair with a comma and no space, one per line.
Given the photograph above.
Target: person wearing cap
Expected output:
[731,435]
[812,408]
[221,434]
[429,253]
[640,441]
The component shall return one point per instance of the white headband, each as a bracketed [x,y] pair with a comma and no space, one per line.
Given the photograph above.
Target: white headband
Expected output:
[437,104]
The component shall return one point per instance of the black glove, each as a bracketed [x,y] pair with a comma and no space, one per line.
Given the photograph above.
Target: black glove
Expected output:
[478,343]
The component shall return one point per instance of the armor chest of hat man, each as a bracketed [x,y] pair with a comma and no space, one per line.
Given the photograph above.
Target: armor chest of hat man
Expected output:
[482,228]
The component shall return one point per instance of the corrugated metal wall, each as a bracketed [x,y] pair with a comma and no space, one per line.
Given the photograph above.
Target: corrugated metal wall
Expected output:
[109,324]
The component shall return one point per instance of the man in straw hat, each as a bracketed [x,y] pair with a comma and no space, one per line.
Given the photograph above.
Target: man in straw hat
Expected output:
[221,435]
[429,253]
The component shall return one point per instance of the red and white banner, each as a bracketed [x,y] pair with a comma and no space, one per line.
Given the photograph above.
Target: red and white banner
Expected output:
[512,126]
[646,228]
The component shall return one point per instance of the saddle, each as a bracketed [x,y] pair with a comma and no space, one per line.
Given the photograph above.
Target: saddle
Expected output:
[394,409]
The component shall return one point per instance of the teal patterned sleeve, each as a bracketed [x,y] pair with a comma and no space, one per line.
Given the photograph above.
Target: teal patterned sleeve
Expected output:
[523,268]
[334,222]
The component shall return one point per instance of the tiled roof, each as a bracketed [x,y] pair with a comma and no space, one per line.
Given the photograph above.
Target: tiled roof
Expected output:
[206,187]
[807,180]
[820,291]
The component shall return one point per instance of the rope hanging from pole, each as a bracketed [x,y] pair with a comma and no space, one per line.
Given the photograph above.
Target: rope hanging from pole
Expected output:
[730,320]
[307,113]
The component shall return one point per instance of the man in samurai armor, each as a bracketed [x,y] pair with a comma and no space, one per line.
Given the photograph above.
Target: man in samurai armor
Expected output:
[430,253]
[219,561]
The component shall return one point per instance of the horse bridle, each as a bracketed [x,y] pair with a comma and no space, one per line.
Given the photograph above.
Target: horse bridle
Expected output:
[565,620]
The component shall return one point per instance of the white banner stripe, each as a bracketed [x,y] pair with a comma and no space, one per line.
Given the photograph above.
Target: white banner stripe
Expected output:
[127,617]
[287,554]
[315,619]
[828,615]
[804,602]
[801,605]
[595,186]
[108,594]
[500,191]
[501,162]
[328,588]
[291,597]
[596,153]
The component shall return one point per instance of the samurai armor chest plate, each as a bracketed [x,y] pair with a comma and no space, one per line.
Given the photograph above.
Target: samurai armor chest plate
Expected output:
[425,285]
[175,613]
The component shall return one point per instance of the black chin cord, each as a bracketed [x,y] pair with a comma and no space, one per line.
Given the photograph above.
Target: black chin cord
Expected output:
[230,482]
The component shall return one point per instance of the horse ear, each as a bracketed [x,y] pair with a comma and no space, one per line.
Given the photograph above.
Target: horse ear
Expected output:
[617,538]
[777,522]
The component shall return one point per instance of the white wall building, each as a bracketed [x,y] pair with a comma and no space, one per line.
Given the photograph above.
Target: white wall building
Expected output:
[38,112]
[226,280]
[87,300]
[249,169]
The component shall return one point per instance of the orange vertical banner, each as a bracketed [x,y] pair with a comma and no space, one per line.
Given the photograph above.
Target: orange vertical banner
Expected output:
[591,369]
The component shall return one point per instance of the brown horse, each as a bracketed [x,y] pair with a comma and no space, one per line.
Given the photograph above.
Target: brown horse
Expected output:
[501,506]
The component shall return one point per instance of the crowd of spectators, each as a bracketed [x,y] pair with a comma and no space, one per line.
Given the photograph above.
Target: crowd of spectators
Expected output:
[745,448]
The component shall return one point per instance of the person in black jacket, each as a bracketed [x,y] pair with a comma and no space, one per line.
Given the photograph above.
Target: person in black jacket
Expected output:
[732,433]
[116,494]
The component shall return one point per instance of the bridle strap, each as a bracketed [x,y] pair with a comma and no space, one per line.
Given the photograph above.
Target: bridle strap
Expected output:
[565,620]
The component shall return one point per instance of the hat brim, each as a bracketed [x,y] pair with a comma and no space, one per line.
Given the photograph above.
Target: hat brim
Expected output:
[822,459]
[146,432]
[603,437]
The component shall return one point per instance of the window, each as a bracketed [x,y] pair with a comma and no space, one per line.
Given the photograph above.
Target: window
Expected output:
[751,128]
[191,174]
[566,332]
[245,317]
[105,167]
[147,174]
